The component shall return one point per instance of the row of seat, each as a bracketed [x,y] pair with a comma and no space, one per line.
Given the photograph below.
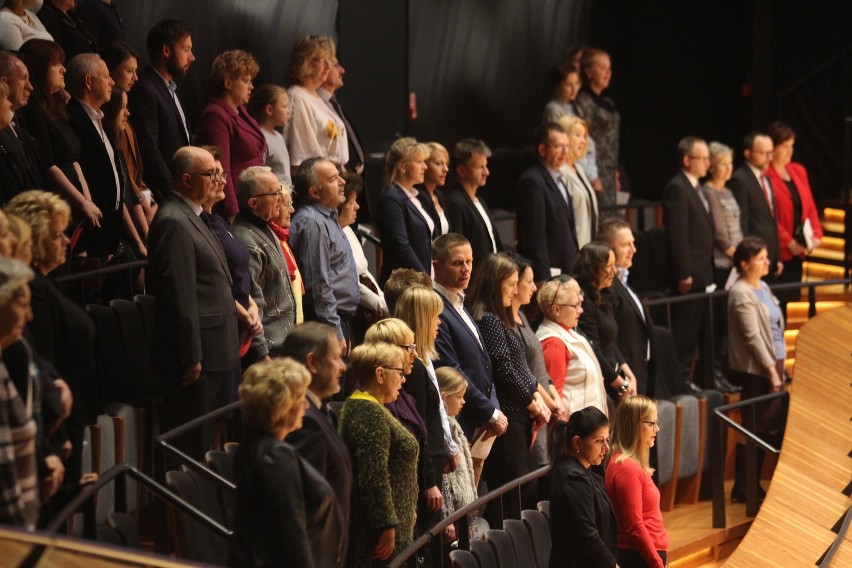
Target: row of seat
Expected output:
[521,543]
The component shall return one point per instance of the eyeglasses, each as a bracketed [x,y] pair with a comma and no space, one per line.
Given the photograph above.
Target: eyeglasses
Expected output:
[411,348]
[398,369]
[652,423]
[700,158]
[279,193]
[211,175]
[556,295]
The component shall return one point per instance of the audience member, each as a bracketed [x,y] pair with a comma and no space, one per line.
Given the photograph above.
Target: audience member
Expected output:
[103,21]
[401,280]
[430,191]
[22,246]
[315,345]
[724,211]
[459,343]
[583,199]
[260,195]
[226,124]
[467,212]
[404,225]
[195,327]
[18,24]
[756,198]
[547,233]
[315,129]
[579,505]
[66,28]
[295,520]
[568,356]
[323,253]
[565,83]
[281,228]
[642,539]
[384,457]
[269,105]
[158,118]
[328,91]
[690,234]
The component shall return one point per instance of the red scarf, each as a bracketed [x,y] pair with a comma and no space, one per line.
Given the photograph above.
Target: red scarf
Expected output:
[283,236]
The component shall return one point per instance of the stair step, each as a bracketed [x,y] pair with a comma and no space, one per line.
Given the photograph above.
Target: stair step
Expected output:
[823,253]
[819,271]
[834,215]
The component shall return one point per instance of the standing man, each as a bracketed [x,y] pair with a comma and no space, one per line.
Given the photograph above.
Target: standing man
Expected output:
[260,200]
[322,251]
[753,191]
[467,213]
[546,229]
[459,343]
[690,233]
[195,326]
[156,113]
[327,91]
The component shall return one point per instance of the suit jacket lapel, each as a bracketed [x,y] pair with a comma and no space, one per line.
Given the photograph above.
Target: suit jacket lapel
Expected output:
[202,228]
[415,212]
[460,321]
[166,94]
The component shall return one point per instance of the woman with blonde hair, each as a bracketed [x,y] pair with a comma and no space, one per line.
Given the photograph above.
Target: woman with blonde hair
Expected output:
[583,195]
[404,225]
[274,520]
[429,192]
[22,247]
[642,538]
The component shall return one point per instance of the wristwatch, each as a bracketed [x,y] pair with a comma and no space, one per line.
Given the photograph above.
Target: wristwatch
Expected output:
[622,390]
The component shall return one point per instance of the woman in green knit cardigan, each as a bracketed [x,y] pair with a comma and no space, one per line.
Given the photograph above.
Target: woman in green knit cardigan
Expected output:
[384,458]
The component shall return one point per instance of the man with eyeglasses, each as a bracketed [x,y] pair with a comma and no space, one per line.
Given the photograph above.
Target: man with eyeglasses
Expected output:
[260,198]
[690,234]
[547,233]
[195,325]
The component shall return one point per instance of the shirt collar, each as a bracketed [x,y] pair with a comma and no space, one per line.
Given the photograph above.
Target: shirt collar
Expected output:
[455,298]
[693,181]
[757,173]
[325,95]
[94,114]
[622,274]
[330,213]
[196,208]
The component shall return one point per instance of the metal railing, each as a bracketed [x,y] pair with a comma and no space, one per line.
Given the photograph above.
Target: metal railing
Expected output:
[828,556]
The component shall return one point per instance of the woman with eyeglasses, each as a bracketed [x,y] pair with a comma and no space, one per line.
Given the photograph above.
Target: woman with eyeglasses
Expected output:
[595,270]
[226,124]
[582,523]
[384,457]
[642,538]
[568,356]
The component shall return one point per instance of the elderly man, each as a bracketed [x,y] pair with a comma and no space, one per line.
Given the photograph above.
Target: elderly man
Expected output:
[195,325]
[328,92]
[260,197]
[315,345]
[324,254]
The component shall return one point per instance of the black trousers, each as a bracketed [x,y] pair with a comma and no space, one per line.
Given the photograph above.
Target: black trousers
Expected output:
[629,558]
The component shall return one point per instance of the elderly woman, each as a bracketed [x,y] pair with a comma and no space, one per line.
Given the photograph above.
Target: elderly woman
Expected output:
[296,519]
[724,210]
[384,457]
[314,129]
[570,360]
[437,167]
[226,124]
[404,225]
[47,121]
[22,245]
[66,28]
[18,24]
[756,346]
[19,498]
[642,538]
[6,114]
[595,270]
[281,227]
[269,105]
[579,505]
[583,197]
[799,229]
[62,331]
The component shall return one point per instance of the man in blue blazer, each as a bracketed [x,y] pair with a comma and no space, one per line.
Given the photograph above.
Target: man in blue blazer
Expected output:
[458,343]
[156,114]
[547,234]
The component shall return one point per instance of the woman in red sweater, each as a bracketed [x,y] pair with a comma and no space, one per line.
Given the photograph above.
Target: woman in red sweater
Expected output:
[642,539]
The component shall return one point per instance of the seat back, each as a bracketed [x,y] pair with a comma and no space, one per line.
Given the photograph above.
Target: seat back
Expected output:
[130,428]
[539,529]
[544,508]
[667,452]
[139,360]
[690,441]
[114,378]
[668,380]
[126,528]
[192,540]
[106,459]
[147,305]
[462,559]
[504,548]
[484,553]
[521,539]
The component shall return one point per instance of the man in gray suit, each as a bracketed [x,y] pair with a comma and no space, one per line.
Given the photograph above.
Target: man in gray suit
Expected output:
[195,326]
[260,196]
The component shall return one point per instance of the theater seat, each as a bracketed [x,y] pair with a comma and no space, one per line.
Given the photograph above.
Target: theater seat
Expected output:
[462,559]
[539,529]
[504,548]
[521,540]
[667,452]
[484,553]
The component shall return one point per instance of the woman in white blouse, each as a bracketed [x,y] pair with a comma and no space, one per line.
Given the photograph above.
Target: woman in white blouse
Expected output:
[583,197]
[18,23]
[314,129]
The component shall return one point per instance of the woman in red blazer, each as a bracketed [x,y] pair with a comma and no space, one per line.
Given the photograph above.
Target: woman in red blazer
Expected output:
[226,124]
[794,206]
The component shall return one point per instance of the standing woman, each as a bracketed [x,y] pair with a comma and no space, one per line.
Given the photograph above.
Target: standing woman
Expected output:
[384,458]
[724,210]
[226,124]
[603,118]
[756,348]
[582,523]
[429,194]
[405,227]
[269,105]
[489,301]
[583,197]
[795,209]
[66,28]
[642,538]
[314,128]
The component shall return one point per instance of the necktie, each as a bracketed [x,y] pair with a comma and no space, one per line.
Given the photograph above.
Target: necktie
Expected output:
[349,131]
[767,193]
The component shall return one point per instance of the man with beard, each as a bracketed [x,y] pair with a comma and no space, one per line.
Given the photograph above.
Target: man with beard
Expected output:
[156,113]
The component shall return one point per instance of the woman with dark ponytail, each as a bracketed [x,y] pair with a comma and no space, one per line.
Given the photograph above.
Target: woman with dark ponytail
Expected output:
[582,523]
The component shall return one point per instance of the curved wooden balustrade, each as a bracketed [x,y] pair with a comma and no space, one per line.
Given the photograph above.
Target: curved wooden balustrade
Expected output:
[805,499]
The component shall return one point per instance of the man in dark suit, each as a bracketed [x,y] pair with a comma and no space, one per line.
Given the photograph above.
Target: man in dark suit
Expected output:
[156,114]
[20,166]
[195,326]
[89,83]
[467,213]
[753,192]
[635,327]
[546,230]
[327,91]
[316,346]
[459,344]
[690,234]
